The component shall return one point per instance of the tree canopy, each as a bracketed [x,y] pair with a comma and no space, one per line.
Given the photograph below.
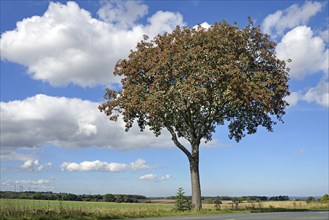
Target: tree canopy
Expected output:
[193,79]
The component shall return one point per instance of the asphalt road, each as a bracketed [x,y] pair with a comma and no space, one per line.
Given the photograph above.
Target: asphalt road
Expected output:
[309,215]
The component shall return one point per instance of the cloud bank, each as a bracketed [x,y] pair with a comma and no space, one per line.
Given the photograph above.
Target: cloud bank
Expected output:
[97,165]
[67,45]
[68,123]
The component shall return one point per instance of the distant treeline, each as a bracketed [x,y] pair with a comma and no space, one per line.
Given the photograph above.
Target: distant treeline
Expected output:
[121,197]
[71,197]
[243,198]
[252,198]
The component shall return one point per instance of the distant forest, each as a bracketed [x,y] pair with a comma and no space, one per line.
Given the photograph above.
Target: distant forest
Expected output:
[119,197]
[71,197]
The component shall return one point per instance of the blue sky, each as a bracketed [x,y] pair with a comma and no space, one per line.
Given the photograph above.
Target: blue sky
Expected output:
[57,58]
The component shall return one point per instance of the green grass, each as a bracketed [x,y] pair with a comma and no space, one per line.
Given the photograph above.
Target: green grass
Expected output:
[42,209]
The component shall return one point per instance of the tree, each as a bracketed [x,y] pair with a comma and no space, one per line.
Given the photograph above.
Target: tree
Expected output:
[109,198]
[236,202]
[194,79]
[182,202]
[310,199]
[218,203]
[37,196]
[325,198]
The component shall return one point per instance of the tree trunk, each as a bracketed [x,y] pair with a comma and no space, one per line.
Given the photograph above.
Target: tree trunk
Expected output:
[195,182]
[194,167]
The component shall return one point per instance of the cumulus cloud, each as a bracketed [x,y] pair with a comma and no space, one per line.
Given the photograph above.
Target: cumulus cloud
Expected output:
[122,13]
[67,45]
[318,94]
[154,177]
[205,25]
[68,123]
[292,99]
[290,17]
[307,52]
[97,165]
[163,21]
[148,177]
[325,35]
[34,165]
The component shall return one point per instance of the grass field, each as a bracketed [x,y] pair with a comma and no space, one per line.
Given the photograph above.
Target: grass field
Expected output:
[41,209]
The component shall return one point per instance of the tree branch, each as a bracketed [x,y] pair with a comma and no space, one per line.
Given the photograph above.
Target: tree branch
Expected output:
[177,143]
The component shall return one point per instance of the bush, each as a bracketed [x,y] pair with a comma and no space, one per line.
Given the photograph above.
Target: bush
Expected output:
[217,204]
[325,198]
[236,202]
[182,202]
[310,199]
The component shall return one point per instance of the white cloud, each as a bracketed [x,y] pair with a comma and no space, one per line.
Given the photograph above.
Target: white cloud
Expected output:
[292,99]
[290,17]
[45,166]
[148,177]
[318,94]
[66,45]
[34,165]
[122,13]
[163,21]
[325,35]
[205,25]
[154,177]
[105,166]
[29,164]
[307,52]
[140,164]
[166,177]
[68,123]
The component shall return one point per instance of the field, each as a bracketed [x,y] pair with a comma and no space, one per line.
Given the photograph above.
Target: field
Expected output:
[41,209]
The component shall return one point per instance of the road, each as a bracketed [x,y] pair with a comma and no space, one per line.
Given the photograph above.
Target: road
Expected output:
[309,215]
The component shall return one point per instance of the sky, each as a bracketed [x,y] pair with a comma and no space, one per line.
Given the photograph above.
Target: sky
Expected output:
[57,58]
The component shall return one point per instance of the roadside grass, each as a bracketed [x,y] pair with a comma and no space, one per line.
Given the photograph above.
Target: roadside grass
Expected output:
[46,209]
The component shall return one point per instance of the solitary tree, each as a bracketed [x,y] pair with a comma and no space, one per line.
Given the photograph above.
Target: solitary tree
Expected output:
[194,79]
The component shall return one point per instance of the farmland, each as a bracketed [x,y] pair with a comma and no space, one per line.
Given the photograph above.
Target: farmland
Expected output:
[42,209]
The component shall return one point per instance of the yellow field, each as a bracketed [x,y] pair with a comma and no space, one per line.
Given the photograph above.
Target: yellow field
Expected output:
[272,204]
